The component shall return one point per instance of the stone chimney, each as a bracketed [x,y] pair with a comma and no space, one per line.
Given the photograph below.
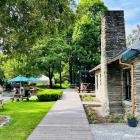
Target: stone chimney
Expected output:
[113,33]
[113,43]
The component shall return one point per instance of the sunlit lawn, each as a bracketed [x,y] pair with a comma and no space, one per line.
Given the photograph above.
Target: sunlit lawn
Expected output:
[24,118]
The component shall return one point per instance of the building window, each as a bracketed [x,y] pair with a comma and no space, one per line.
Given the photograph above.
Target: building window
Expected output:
[128,84]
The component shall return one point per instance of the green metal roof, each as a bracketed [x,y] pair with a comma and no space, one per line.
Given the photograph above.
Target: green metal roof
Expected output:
[132,52]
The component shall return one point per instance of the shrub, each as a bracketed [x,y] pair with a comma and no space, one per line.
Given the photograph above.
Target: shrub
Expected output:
[131,116]
[117,119]
[88,98]
[49,95]
[91,114]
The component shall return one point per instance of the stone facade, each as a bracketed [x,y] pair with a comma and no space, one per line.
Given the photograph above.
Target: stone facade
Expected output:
[127,105]
[113,33]
[111,76]
[112,44]
[136,63]
[115,88]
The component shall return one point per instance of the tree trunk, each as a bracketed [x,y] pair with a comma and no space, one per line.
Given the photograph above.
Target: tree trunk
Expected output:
[51,84]
[50,77]
[60,75]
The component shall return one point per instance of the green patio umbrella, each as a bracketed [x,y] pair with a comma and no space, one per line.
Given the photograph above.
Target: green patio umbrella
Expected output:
[19,79]
[32,79]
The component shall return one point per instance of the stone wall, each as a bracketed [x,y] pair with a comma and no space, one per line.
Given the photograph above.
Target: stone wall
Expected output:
[115,88]
[137,85]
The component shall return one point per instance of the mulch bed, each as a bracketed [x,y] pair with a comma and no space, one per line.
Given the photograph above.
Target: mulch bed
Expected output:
[4,120]
[94,117]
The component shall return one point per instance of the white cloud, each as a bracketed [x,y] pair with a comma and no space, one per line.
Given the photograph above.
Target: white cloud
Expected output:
[129,28]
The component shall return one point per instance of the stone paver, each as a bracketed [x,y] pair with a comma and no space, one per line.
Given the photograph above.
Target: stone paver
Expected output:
[115,132]
[65,121]
[91,103]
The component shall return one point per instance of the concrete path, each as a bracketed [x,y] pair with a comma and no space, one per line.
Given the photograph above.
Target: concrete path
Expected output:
[115,131]
[65,121]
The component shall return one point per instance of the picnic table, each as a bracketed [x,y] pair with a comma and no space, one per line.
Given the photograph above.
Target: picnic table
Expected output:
[17,96]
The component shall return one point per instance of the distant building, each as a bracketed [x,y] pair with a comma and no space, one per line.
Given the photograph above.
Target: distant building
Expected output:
[117,78]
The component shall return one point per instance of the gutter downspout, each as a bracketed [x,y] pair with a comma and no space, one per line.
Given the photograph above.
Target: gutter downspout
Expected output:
[132,83]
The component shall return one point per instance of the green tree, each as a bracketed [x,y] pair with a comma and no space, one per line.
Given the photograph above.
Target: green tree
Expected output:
[49,54]
[86,35]
[23,23]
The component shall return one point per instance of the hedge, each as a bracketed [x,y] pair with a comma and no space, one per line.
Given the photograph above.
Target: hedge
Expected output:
[49,95]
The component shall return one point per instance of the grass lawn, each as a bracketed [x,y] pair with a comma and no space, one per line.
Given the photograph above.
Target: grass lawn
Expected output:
[24,118]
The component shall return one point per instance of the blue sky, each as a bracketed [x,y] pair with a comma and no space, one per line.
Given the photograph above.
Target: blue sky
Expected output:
[131,10]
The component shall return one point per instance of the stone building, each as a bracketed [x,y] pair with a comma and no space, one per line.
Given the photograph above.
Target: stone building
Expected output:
[117,78]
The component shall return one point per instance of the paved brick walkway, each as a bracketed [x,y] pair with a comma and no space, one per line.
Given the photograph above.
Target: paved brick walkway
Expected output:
[65,121]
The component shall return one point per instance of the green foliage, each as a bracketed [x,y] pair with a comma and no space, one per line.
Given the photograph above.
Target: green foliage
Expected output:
[41,87]
[86,35]
[88,98]
[2,61]
[22,22]
[131,116]
[47,37]
[117,119]
[49,95]
[65,85]
[91,115]
[25,24]
[22,114]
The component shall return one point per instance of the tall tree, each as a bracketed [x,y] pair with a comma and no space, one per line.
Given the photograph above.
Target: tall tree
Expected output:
[23,23]
[49,54]
[86,34]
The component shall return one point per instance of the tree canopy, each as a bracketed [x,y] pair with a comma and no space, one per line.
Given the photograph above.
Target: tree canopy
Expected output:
[49,37]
